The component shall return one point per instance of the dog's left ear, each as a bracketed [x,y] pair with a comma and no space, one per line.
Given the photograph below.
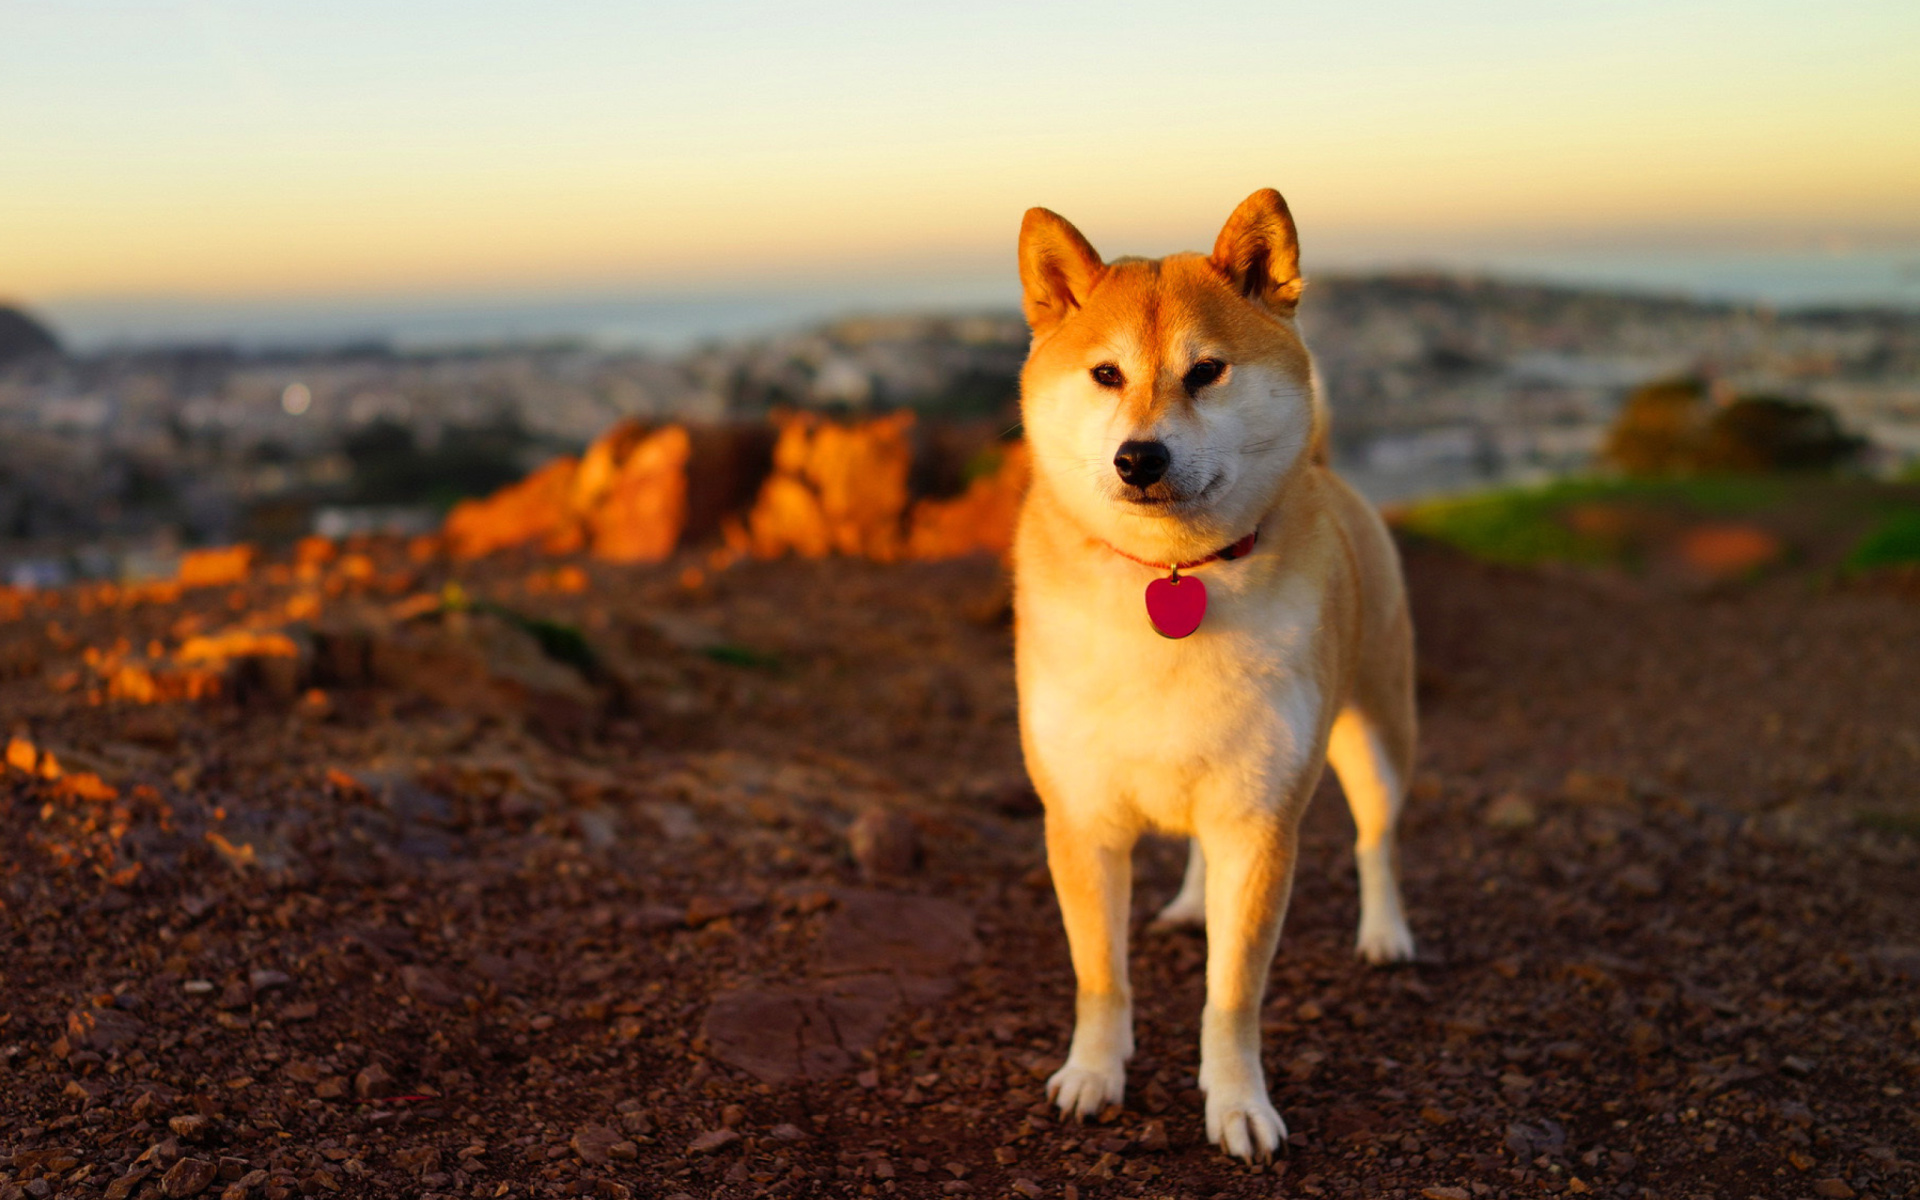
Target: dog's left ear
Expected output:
[1259,253]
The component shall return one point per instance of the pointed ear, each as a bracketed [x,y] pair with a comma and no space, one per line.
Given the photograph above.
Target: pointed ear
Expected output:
[1259,253]
[1057,269]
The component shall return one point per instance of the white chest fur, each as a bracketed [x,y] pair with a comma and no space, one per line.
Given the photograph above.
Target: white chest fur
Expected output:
[1137,730]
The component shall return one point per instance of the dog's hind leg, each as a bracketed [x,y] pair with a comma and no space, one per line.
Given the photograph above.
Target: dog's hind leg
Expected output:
[1094,883]
[1373,775]
[1189,907]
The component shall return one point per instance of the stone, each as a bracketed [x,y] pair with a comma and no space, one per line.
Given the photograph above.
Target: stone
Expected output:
[885,843]
[980,519]
[920,940]
[594,1143]
[1640,881]
[429,986]
[813,1031]
[537,509]
[644,509]
[190,1126]
[104,1029]
[712,1140]
[373,1083]
[124,1187]
[262,980]
[836,488]
[188,1177]
[1512,811]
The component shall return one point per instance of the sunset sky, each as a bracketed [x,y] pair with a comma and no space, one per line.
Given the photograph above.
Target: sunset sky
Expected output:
[212,149]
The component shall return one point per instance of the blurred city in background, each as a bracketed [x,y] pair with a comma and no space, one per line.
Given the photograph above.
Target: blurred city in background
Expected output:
[114,458]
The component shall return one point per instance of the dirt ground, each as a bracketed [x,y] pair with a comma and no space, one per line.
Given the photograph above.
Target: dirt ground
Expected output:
[410,914]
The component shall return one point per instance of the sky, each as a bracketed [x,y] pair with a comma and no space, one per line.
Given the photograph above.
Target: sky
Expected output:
[218,151]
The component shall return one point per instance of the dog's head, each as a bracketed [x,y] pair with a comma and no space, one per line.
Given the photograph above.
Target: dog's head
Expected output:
[1167,401]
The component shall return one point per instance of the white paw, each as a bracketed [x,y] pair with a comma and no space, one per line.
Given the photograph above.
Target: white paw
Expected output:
[1243,1122]
[1385,942]
[1184,910]
[1081,1092]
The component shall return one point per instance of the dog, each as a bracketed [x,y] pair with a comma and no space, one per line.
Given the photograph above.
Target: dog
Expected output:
[1178,437]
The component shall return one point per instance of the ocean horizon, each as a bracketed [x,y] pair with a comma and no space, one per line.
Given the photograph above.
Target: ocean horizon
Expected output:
[667,321]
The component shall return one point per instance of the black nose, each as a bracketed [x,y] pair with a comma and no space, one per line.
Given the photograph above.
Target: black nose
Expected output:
[1141,463]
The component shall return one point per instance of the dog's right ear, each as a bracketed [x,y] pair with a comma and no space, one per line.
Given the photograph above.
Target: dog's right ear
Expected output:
[1057,269]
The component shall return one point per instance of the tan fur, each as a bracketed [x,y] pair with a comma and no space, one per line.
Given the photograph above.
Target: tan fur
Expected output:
[1305,654]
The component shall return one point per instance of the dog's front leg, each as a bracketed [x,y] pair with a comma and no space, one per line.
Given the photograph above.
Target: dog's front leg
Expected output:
[1095,884]
[1250,860]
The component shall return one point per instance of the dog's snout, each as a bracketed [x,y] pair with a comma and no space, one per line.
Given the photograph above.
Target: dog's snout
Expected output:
[1141,464]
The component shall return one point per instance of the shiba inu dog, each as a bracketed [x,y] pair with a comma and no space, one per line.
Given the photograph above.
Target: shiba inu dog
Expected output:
[1177,439]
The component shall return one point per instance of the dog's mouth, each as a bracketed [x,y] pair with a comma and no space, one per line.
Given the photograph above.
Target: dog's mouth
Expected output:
[1163,499]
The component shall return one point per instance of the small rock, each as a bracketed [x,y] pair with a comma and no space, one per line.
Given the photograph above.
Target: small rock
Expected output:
[428,986]
[190,1126]
[884,843]
[1027,1188]
[1644,1038]
[188,1177]
[123,1187]
[1832,1189]
[1512,811]
[1793,1064]
[702,910]
[788,1133]
[1640,881]
[265,981]
[1444,1193]
[103,1028]
[592,1143]
[712,1140]
[372,1083]
[1153,1136]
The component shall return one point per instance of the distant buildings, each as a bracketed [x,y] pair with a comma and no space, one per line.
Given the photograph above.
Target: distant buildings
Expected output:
[1436,383]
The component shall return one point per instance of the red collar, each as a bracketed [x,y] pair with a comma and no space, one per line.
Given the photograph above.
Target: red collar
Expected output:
[1239,549]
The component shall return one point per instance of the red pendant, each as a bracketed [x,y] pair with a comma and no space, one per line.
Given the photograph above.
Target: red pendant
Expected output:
[1176,605]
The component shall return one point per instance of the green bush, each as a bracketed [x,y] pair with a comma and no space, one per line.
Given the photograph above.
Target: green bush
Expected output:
[1894,542]
[1675,427]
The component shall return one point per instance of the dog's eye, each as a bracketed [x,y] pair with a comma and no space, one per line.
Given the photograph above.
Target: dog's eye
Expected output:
[1203,373]
[1108,376]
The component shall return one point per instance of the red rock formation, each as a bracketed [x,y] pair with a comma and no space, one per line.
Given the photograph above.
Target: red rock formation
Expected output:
[534,510]
[835,489]
[639,514]
[981,519]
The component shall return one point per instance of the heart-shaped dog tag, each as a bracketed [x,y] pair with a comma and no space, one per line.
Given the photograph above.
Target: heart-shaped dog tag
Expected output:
[1176,606]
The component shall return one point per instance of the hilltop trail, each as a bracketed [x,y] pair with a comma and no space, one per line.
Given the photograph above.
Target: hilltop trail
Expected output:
[440,903]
